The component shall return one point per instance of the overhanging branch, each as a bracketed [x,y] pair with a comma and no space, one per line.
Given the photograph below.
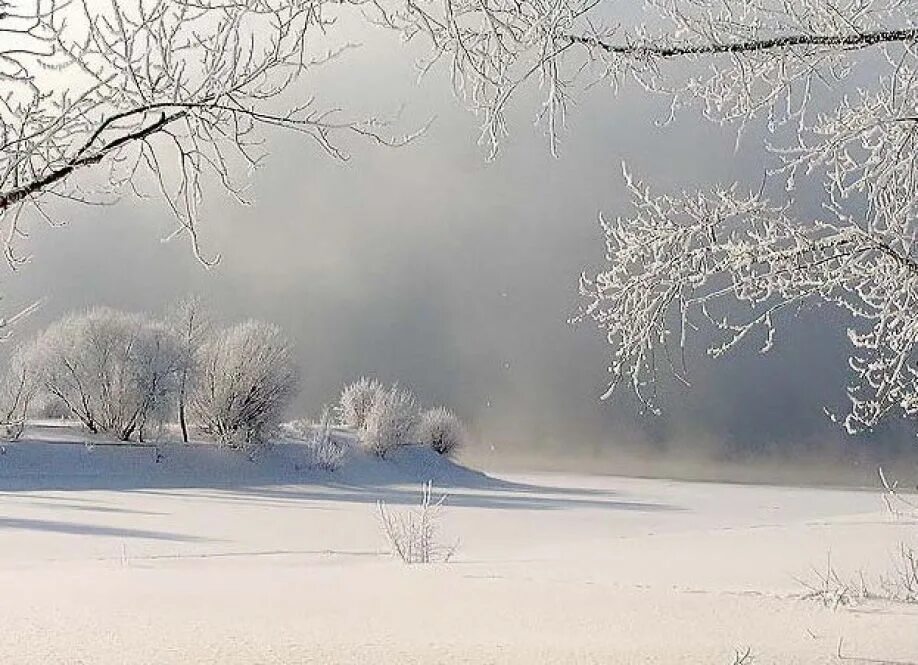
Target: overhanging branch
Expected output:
[856,40]
[14,196]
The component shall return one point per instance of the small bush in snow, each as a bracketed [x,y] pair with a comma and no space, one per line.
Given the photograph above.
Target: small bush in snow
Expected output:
[245,380]
[355,402]
[116,372]
[413,534]
[901,584]
[832,590]
[900,506]
[440,429]
[326,453]
[390,421]
[17,390]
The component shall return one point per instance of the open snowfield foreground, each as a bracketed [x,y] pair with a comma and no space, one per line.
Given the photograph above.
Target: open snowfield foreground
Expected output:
[109,557]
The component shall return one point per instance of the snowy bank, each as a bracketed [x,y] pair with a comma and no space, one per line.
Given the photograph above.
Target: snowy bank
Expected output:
[60,456]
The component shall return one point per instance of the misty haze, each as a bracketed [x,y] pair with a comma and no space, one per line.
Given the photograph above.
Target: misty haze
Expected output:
[459,332]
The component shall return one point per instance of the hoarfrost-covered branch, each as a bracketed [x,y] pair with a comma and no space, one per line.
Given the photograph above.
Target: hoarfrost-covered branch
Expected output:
[737,264]
[161,93]
[736,57]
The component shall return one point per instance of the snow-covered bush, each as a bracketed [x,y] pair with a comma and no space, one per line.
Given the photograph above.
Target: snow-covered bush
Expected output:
[390,421]
[901,584]
[245,380]
[17,390]
[440,429]
[325,452]
[115,372]
[355,402]
[413,534]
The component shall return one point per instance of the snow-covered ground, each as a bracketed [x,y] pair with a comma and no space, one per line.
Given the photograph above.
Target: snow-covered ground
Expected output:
[204,557]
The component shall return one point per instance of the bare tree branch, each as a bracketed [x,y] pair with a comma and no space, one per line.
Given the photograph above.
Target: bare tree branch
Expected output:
[854,40]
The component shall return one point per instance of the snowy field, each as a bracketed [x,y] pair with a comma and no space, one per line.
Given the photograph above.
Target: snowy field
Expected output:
[204,557]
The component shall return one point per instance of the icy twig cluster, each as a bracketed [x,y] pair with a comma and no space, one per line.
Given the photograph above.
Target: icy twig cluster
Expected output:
[832,590]
[900,506]
[413,534]
[899,584]
[902,583]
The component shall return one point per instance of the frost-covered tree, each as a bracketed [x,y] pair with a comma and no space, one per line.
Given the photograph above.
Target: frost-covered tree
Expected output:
[246,378]
[116,372]
[390,422]
[17,392]
[160,362]
[191,325]
[440,429]
[832,84]
[355,402]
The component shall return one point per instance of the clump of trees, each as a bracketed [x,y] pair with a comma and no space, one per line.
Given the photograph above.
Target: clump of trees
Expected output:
[385,419]
[129,375]
[114,371]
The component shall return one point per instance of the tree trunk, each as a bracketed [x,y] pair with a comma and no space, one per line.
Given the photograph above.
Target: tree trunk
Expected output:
[181,417]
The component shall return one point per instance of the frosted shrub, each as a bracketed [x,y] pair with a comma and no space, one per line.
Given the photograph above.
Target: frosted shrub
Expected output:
[245,380]
[440,429]
[326,453]
[832,590]
[355,402]
[115,372]
[902,583]
[17,390]
[413,534]
[390,421]
[900,506]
